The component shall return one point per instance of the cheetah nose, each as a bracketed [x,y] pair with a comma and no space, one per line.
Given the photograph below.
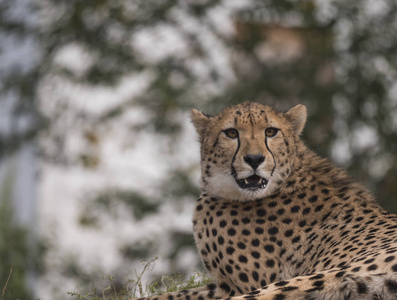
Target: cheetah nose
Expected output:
[254,160]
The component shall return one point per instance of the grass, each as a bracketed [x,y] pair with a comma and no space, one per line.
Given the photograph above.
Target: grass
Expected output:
[133,288]
[5,285]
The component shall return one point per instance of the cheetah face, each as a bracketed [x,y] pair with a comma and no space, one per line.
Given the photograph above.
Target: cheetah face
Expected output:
[247,151]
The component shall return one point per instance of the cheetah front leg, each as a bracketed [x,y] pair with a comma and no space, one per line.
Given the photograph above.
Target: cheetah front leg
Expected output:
[333,284]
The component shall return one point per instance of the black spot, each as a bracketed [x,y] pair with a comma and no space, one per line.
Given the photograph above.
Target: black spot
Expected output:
[214,264]
[246,232]
[211,293]
[235,222]
[230,250]
[221,240]
[225,286]
[255,242]
[313,199]
[318,276]
[272,230]
[269,248]
[302,223]
[255,276]
[229,269]
[340,274]
[318,283]
[243,277]
[325,191]
[241,245]
[391,286]
[361,288]
[258,230]
[319,207]
[389,258]
[255,254]
[281,283]
[270,263]
[261,212]
[222,224]
[231,232]
[372,267]
[368,261]
[242,259]
[296,239]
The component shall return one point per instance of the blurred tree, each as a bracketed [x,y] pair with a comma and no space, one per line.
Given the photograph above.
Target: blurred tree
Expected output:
[20,118]
[14,246]
[20,122]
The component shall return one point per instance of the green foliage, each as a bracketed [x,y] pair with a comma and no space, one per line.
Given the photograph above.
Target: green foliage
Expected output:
[15,251]
[345,75]
[112,290]
[179,184]
[19,79]
[110,199]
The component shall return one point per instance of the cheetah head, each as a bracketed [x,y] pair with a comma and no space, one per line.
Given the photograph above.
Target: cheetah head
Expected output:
[248,150]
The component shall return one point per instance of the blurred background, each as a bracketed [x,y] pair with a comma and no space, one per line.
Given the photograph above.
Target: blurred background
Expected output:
[99,163]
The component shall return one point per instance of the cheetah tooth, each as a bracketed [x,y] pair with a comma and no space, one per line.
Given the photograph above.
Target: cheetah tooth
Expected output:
[246,181]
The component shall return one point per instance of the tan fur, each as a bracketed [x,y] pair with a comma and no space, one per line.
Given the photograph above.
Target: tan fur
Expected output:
[309,233]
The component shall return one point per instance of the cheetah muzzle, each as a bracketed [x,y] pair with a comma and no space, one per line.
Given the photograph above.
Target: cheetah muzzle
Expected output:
[275,221]
[252,182]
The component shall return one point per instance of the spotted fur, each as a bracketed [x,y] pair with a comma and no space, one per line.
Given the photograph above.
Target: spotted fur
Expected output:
[275,221]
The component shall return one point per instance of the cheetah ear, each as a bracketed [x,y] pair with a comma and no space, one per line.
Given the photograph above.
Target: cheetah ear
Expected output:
[200,121]
[297,117]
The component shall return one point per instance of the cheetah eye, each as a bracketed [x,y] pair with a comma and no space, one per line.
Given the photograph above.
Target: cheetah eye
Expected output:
[231,133]
[271,131]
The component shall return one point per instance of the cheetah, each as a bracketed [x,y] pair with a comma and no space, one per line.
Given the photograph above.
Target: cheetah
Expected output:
[276,221]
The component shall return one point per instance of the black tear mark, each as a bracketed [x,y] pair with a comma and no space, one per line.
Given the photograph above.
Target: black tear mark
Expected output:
[274,160]
[233,170]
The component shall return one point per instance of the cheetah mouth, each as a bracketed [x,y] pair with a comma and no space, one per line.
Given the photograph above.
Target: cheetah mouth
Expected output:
[252,182]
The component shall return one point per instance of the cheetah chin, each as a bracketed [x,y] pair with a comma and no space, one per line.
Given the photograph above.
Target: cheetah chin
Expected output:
[253,182]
